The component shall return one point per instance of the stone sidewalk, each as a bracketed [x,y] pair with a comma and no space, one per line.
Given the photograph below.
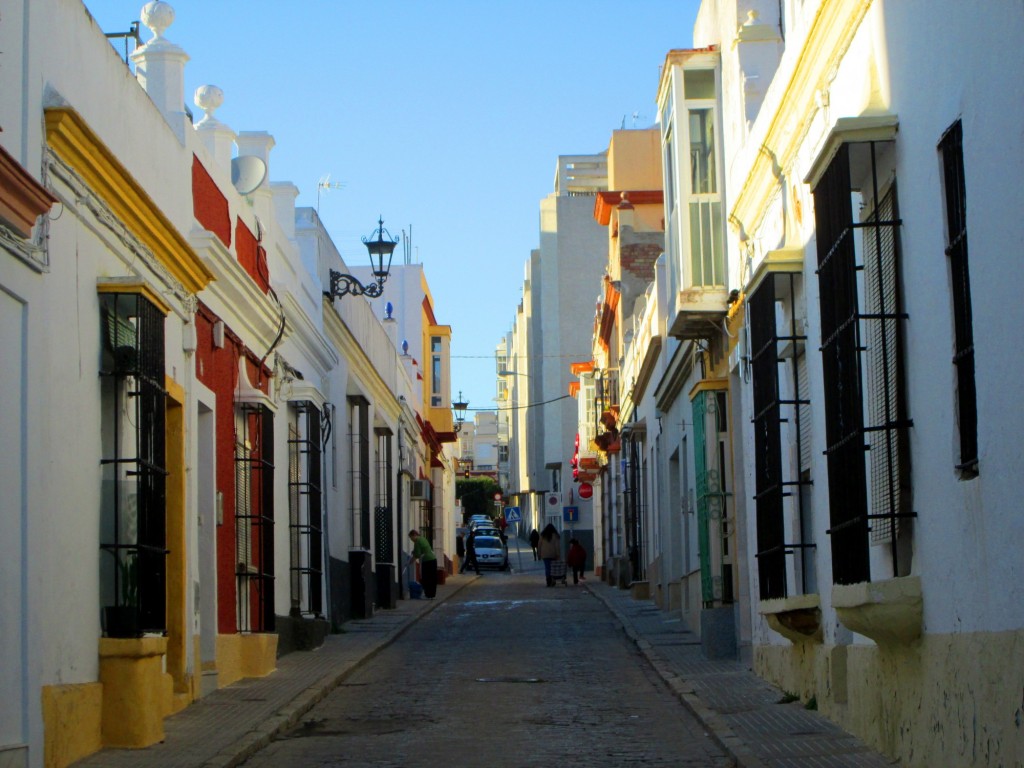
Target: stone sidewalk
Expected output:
[741,711]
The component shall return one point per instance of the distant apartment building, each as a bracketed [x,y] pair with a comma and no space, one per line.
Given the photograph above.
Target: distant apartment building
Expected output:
[546,336]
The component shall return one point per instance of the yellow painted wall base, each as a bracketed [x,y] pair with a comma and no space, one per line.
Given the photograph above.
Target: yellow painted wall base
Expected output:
[240,656]
[945,700]
[137,693]
[71,722]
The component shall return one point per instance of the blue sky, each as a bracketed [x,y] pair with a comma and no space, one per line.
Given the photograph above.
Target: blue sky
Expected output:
[443,116]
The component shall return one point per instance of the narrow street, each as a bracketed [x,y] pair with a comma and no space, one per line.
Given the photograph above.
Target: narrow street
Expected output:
[506,673]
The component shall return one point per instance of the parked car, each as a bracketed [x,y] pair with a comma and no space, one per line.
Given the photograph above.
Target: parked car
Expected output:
[491,552]
[481,523]
[487,530]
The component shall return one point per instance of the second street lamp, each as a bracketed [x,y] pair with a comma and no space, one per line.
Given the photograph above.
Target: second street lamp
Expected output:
[380,249]
[460,406]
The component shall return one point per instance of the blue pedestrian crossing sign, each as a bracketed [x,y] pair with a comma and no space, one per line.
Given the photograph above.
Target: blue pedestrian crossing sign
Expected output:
[513,515]
[570,514]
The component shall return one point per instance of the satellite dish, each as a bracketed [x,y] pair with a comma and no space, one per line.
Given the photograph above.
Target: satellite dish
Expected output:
[247,173]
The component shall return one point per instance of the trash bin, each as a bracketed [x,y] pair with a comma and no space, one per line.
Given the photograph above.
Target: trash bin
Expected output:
[363,583]
[387,586]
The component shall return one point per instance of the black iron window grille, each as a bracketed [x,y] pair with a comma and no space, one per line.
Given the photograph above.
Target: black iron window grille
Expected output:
[888,451]
[359,456]
[952,151]
[862,361]
[305,508]
[254,517]
[134,475]
[633,493]
[383,528]
[776,404]
[607,391]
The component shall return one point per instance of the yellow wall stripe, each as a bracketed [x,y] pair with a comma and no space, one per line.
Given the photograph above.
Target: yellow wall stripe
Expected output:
[75,143]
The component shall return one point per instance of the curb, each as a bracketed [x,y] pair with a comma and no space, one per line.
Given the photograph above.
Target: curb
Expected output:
[290,712]
[719,731]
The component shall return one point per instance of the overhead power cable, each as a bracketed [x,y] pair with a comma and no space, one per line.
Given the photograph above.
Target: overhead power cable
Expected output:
[519,407]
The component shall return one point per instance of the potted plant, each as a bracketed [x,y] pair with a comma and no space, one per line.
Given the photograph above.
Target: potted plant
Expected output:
[122,619]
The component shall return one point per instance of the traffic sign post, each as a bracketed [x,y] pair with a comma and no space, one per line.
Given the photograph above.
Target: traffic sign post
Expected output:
[571,515]
[514,515]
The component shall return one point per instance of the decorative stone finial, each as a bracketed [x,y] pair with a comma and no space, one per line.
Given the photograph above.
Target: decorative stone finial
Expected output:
[389,308]
[752,17]
[208,98]
[157,16]
[405,346]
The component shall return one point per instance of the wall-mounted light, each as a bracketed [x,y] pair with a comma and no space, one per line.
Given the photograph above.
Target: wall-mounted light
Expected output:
[381,251]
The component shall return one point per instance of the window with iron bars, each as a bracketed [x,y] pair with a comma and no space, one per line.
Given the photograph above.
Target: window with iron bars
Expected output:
[955,190]
[254,517]
[634,492]
[383,524]
[862,362]
[359,456]
[780,400]
[607,390]
[134,499]
[305,510]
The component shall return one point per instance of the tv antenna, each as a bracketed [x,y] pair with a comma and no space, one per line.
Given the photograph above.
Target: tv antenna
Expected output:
[326,183]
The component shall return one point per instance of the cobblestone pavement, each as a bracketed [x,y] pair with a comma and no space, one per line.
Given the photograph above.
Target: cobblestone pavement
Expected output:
[506,673]
[590,678]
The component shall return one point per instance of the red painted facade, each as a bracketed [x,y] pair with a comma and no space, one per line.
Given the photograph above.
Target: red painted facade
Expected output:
[209,205]
[251,256]
[217,369]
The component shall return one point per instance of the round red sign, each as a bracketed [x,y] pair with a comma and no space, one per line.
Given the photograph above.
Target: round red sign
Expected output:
[497,496]
[586,490]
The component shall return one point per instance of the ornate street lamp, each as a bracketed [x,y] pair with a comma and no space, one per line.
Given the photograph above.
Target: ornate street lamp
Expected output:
[381,250]
[460,406]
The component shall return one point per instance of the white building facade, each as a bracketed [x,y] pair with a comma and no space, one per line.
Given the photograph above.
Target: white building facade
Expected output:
[196,440]
[832,445]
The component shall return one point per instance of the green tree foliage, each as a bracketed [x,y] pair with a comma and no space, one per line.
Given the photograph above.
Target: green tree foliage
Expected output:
[477,494]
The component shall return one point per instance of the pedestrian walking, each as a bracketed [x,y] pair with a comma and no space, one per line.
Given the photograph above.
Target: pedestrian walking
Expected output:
[422,551]
[550,548]
[577,560]
[534,542]
[470,561]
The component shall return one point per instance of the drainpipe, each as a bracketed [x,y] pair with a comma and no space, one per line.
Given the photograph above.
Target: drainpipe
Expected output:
[325,436]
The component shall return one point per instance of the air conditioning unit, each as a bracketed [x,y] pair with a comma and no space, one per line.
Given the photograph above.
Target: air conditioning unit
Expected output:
[420,490]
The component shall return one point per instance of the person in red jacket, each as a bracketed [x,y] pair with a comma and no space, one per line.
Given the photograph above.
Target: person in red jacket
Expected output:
[576,559]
